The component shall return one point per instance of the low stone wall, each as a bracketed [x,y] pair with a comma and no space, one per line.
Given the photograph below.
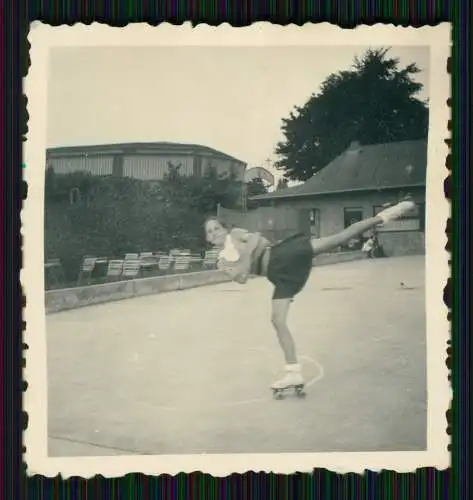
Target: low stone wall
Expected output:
[72,298]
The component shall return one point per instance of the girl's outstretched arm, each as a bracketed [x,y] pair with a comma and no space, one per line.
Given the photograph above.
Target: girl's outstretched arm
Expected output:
[250,240]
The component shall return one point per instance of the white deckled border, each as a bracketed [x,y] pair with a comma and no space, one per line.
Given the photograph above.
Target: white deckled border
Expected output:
[43,38]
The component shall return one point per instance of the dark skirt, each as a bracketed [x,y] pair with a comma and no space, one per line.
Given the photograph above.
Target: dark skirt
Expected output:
[289,266]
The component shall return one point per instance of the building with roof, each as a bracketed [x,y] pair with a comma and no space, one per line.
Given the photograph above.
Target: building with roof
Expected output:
[356,185]
[146,161]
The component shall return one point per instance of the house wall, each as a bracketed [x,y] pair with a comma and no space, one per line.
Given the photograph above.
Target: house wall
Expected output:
[221,165]
[155,167]
[405,237]
[144,164]
[95,164]
[273,223]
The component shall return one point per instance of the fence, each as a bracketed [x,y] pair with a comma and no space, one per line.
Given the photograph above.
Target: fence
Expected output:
[275,223]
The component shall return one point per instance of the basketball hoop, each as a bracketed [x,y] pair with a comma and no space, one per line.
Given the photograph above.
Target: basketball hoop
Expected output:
[259,173]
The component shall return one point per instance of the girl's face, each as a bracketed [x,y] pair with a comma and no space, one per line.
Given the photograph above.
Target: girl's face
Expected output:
[215,233]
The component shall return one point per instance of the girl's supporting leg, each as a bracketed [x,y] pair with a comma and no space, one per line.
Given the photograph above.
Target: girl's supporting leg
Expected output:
[293,376]
[280,310]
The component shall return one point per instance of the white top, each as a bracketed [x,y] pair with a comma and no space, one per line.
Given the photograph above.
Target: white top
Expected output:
[229,252]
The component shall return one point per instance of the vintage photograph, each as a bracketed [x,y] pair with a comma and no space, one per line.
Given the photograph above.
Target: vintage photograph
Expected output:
[237,248]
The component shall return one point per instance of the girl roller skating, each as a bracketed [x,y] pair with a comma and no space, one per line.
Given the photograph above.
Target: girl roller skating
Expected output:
[287,266]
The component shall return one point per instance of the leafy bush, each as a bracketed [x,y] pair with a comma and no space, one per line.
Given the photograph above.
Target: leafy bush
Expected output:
[110,216]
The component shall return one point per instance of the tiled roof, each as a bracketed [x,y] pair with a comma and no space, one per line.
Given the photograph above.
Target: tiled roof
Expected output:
[363,168]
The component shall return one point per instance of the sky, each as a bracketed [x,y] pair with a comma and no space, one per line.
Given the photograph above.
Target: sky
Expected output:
[230,98]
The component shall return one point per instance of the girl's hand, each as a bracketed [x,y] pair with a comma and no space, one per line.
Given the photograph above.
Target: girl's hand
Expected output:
[244,266]
[239,272]
[241,278]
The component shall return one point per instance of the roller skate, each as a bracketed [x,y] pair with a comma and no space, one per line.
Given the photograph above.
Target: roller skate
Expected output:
[395,211]
[292,380]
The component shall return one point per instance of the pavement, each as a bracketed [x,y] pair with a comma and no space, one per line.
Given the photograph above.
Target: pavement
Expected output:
[189,371]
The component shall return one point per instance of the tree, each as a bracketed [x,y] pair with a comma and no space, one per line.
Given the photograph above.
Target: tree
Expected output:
[282,184]
[49,183]
[256,187]
[372,102]
[201,194]
[116,215]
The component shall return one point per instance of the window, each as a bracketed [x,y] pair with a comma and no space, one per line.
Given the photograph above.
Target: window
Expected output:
[352,215]
[314,217]
[74,196]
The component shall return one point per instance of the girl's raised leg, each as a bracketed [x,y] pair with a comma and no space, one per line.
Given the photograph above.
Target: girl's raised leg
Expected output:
[325,244]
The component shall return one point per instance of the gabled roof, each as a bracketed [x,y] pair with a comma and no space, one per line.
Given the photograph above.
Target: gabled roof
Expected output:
[365,168]
[130,147]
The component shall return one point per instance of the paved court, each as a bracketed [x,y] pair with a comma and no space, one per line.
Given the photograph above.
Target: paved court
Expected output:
[188,372]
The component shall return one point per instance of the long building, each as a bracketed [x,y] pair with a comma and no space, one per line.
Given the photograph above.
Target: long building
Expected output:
[146,161]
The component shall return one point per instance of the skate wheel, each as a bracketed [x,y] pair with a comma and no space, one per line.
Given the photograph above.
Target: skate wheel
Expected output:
[300,391]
